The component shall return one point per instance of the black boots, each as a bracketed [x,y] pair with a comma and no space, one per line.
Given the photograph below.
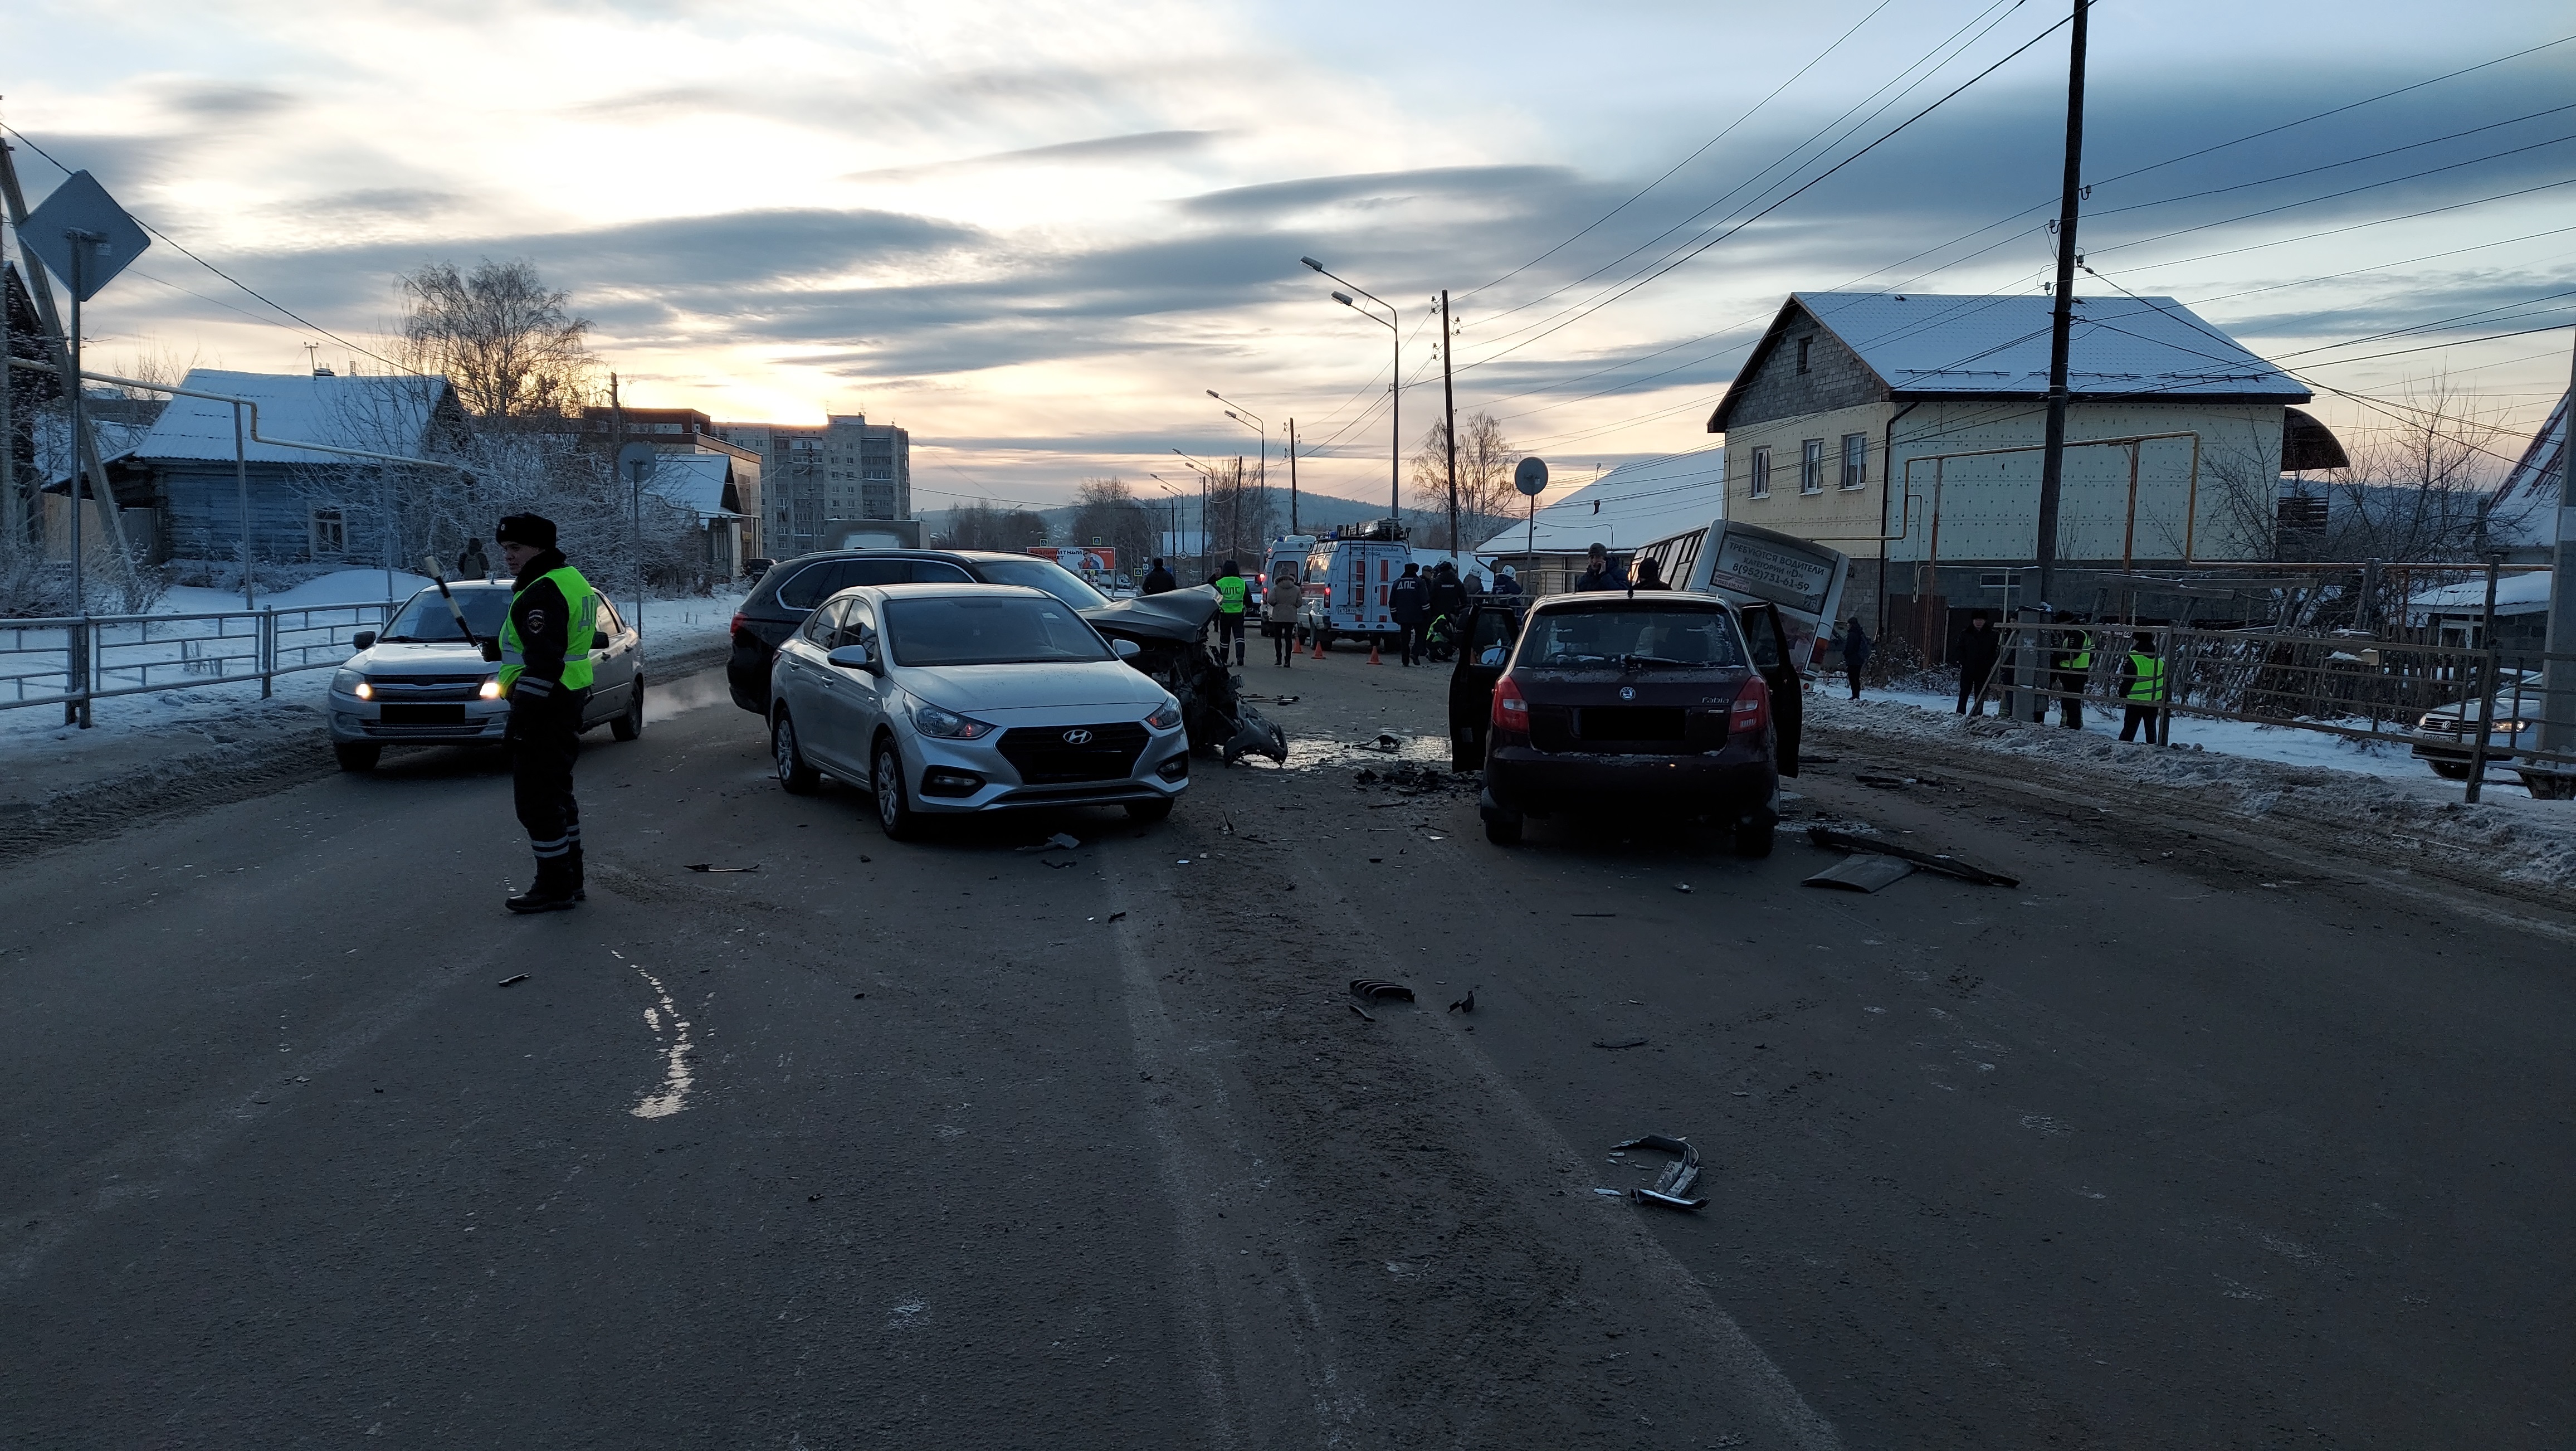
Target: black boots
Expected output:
[558,887]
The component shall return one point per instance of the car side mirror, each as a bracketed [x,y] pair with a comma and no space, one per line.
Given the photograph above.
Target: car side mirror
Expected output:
[1126,649]
[854,657]
[364,639]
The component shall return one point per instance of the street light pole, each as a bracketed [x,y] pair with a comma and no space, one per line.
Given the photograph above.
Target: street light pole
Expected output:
[1259,425]
[1394,383]
[2052,460]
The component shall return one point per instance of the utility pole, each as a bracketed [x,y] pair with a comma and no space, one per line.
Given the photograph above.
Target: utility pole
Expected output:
[1292,475]
[2052,460]
[2557,671]
[1449,404]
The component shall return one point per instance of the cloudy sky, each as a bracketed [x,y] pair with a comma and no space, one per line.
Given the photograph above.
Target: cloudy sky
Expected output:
[1035,233]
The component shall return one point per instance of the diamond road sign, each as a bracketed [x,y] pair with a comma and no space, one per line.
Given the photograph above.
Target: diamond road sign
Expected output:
[81,205]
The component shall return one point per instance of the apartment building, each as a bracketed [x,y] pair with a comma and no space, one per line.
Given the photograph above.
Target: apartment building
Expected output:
[815,479]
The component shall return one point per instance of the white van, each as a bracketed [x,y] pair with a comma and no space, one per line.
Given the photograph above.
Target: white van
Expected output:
[1346,589]
[1749,566]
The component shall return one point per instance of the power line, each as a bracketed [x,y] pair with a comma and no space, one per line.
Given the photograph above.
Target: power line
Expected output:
[1694,250]
[219,272]
[1695,155]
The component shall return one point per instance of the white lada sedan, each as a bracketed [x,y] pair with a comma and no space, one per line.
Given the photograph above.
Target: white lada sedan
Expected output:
[951,698]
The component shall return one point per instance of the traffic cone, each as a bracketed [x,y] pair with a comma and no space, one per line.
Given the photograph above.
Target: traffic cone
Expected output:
[1372,649]
[1318,638]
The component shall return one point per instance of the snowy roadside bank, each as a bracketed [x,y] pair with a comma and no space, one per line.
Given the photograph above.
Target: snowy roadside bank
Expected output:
[2374,801]
[172,736]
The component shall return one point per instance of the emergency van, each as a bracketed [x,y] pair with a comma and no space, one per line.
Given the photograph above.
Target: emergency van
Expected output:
[1346,587]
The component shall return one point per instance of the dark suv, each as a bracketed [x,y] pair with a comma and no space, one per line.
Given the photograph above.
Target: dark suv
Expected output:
[791,589]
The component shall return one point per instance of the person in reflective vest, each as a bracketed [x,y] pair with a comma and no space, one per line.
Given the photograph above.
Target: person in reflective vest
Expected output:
[545,675]
[2142,690]
[2073,665]
[1230,593]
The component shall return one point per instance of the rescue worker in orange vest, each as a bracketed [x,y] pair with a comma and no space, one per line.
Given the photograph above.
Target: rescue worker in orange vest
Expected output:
[545,675]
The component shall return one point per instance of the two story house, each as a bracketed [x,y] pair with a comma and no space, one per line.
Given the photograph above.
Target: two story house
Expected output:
[1906,431]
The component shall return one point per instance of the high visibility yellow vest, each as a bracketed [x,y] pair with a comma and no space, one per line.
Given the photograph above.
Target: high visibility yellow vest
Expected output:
[580,633]
[2082,659]
[1230,590]
[2150,684]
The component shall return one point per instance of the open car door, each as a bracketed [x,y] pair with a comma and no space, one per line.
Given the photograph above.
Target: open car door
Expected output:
[1484,644]
[1768,634]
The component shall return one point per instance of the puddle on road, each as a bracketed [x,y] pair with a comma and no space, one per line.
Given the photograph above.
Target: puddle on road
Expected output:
[1430,752]
[663,701]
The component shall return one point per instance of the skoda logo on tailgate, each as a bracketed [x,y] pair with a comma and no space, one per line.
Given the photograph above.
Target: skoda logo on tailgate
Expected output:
[1077,738]
[1627,692]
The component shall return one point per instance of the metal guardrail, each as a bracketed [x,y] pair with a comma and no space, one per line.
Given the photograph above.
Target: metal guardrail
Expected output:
[70,662]
[2354,686]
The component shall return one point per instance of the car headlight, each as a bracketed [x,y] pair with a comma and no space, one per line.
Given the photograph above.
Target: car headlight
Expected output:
[947,725]
[2512,727]
[350,682]
[491,688]
[1166,717]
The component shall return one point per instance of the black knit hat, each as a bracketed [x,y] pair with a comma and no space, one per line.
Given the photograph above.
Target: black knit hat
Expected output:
[531,529]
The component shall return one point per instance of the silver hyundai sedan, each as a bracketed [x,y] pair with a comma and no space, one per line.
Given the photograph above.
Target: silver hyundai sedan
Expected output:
[953,698]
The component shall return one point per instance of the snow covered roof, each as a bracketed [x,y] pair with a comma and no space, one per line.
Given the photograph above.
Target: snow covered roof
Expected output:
[694,481]
[2516,594]
[2526,503]
[1633,504]
[378,414]
[1944,346]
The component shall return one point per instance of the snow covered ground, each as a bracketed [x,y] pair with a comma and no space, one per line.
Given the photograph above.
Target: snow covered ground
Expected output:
[2284,745]
[2365,796]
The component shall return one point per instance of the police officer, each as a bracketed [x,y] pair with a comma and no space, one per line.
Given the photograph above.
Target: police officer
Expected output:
[1230,594]
[545,675]
[2142,690]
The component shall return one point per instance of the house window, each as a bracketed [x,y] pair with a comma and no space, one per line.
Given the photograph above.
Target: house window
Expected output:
[1761,475]
[1802,353]
[1811,466]
[330,534]
[1855,460]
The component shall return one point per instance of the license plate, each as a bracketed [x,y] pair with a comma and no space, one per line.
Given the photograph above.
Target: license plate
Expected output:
[424,714]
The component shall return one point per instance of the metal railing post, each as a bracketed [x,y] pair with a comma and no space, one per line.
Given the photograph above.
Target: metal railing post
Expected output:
[267,652]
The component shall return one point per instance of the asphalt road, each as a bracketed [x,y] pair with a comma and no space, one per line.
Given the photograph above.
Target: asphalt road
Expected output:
[2189,1140]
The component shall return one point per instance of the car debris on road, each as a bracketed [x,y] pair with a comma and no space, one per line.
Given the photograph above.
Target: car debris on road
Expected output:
[1672,1188]
[1942,862]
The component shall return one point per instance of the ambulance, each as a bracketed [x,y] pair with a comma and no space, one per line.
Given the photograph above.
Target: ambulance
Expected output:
[1348,573]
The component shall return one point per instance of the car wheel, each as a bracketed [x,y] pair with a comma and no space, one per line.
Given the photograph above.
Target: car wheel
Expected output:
[894,805]
[629,725]
[1753,837]
[794,774]
[1149,810]
[2450,770]
[357,755]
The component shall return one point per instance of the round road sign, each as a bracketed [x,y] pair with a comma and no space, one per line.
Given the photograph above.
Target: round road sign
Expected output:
[1531,477]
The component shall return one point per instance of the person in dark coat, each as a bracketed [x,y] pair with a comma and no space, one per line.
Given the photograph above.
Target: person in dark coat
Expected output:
[1979,649]
[1855,646]
[1650,575]
[1409,600]
[474,563]
[1159,579]
[1596,571]
[1448,596]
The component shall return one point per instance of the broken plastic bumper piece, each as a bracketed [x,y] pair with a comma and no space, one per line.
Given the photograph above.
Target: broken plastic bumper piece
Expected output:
[1672,1188]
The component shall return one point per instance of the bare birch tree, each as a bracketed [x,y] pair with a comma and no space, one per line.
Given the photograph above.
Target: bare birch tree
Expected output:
[511,346]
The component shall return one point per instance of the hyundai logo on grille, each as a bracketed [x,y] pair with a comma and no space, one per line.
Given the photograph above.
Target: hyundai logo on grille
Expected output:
[1627,692]
[1077,738]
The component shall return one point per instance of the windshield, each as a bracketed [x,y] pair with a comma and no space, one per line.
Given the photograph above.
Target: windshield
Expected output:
[425,616]
[988,630]
[1633,634]
[1043,574]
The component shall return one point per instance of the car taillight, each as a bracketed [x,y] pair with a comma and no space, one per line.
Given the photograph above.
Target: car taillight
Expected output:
[1511,712]
[1752,708]
[738,618]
